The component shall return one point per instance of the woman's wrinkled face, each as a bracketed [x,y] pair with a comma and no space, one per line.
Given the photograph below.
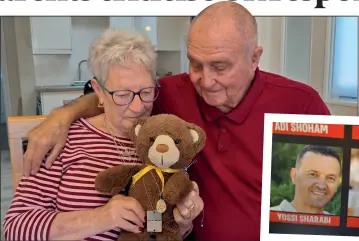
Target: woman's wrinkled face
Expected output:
[123,80]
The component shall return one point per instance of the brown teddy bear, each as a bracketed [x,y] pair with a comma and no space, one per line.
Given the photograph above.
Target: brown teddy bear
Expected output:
[166,145]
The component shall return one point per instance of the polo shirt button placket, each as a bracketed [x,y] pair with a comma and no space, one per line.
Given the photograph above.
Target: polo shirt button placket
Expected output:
[222,135]
[221,143]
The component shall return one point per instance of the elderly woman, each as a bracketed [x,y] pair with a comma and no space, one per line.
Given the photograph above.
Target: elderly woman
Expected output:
[62,203]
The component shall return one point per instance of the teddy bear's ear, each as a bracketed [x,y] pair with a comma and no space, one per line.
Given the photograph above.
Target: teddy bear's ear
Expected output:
[194,134]
[198,137]
[137,124]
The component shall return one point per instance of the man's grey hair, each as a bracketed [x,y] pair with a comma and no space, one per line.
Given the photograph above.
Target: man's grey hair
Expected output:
[121,47]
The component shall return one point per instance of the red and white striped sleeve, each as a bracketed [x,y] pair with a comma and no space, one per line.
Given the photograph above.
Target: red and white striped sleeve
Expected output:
[33,207]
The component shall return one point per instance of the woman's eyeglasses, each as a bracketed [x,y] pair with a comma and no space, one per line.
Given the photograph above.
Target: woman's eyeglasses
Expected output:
[125,97]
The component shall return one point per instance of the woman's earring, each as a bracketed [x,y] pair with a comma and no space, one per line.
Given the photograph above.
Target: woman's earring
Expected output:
[100,105]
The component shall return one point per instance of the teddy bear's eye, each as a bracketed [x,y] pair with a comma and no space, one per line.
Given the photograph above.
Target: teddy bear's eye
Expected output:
[152,139]
[177,141]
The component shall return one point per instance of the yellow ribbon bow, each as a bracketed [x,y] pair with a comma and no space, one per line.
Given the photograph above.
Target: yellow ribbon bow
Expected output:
[158,170]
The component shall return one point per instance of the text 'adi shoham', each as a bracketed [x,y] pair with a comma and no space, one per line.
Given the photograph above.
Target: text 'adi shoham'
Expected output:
[302,127]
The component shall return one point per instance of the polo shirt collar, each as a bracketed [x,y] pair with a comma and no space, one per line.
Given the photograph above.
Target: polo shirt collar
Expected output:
[241,111]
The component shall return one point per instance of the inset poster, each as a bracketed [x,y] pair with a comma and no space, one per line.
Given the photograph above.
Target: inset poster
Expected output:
[310,178]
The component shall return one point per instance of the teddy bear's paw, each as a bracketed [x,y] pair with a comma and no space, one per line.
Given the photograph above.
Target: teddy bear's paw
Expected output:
[171,232]
[173,195]
[170,196]
[124,236]
[168,237]
[115,190]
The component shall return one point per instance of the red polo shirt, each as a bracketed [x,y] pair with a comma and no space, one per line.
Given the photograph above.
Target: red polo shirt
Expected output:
[229,169]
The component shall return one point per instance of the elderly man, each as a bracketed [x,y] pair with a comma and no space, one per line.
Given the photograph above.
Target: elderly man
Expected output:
[226,94]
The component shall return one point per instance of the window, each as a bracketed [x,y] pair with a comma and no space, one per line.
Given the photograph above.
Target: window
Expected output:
[344,59]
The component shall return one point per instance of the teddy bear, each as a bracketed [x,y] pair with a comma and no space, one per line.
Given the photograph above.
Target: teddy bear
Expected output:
[166,145]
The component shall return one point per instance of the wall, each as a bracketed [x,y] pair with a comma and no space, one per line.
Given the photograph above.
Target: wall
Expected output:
[2,100]
[169,61]
[26,65]
[301,53]
[271,39]
[297,48]
[10,66]
[63,69]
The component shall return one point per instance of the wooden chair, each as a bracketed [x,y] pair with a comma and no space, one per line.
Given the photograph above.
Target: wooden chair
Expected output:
[18,129]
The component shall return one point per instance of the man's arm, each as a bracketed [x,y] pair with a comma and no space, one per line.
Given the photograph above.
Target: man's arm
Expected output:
[84,106]
[50,136]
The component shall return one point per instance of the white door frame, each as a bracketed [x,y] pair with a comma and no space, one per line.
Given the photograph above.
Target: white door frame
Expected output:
[5,77]
[184,59]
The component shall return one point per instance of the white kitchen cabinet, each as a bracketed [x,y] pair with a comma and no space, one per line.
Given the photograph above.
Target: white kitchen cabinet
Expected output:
[166,33]
[51,100]
[51,35]
[122,22]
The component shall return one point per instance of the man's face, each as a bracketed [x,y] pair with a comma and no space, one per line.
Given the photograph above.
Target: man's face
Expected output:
[316,180]
[221,66]
[354,171]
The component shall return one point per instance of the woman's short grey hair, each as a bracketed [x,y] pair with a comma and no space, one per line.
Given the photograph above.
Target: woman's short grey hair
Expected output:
[121,47]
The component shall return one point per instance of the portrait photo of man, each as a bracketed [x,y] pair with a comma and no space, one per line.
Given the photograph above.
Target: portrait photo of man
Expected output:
[353,197]
[312,182]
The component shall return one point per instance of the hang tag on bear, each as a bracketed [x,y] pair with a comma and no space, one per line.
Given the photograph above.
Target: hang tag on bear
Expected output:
[154,222]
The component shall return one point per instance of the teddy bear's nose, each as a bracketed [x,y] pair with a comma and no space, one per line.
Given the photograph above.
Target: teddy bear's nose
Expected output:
[162,148]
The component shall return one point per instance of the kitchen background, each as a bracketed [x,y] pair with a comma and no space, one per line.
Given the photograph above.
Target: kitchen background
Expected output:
[43,61]
[52,54]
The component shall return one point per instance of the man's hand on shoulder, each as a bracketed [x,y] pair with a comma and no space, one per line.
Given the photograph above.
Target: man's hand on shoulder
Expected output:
[49,136]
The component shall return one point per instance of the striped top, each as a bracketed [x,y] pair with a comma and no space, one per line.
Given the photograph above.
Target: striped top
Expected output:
[68,186]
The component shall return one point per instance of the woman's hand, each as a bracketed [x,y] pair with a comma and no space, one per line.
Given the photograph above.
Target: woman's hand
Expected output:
[188,209]
[124,212]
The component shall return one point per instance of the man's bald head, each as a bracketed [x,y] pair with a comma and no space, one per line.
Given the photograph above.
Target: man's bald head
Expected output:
[223,53]
[218,15]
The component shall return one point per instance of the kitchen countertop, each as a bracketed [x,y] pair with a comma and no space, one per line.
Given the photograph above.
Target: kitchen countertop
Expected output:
[59,88]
